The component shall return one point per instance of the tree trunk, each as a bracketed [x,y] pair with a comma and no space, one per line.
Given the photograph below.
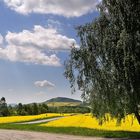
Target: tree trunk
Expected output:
[137,116]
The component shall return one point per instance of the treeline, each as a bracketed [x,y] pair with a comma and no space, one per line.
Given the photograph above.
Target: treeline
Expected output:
[35,109]
[20,109]
[69,109]
[29,109]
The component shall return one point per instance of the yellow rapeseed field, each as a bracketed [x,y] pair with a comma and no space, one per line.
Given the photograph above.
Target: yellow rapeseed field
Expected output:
[87,121]
[12,119]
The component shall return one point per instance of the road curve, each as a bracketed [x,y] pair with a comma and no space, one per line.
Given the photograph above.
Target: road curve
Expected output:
[26,135]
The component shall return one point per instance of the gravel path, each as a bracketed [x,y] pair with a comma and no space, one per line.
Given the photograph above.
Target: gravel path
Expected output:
[26,135]
[40,121]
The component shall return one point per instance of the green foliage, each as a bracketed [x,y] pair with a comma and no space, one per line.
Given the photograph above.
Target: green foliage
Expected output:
[28,109]
[43,108]
[3,107]
[20,109]
[106,67]
[35,109]
[62,106]
[69,109]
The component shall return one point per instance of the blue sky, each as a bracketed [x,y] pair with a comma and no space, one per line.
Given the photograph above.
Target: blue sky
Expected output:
[35,40]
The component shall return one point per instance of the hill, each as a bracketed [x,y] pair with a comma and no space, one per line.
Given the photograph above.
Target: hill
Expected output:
[63,101]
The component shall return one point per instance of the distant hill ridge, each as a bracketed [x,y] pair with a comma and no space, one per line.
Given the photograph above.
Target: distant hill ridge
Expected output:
[62,99]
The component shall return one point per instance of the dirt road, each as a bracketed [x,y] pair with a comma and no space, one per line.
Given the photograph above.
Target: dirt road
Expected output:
[25,135]
[41,121]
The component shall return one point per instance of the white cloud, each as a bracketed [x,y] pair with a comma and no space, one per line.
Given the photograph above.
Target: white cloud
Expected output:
[32,46]
[43,84]
[67,8]
[55,24]
[41,38]
[1,39]
[28,55]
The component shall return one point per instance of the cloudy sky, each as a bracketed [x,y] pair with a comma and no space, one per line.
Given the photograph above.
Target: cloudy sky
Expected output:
[35,40]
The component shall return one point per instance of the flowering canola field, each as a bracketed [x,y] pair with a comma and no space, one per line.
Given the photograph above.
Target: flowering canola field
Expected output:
[12,119]
[87,121]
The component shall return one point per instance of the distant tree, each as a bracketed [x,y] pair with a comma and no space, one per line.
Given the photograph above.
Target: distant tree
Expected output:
[35,109]
[3,101]
[21,110]
[53,110]
[12,111]
[43,108]
[3,107]
[106,67]
[29,109]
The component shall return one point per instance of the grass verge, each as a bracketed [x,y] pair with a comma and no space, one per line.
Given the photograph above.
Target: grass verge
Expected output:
[72,131]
